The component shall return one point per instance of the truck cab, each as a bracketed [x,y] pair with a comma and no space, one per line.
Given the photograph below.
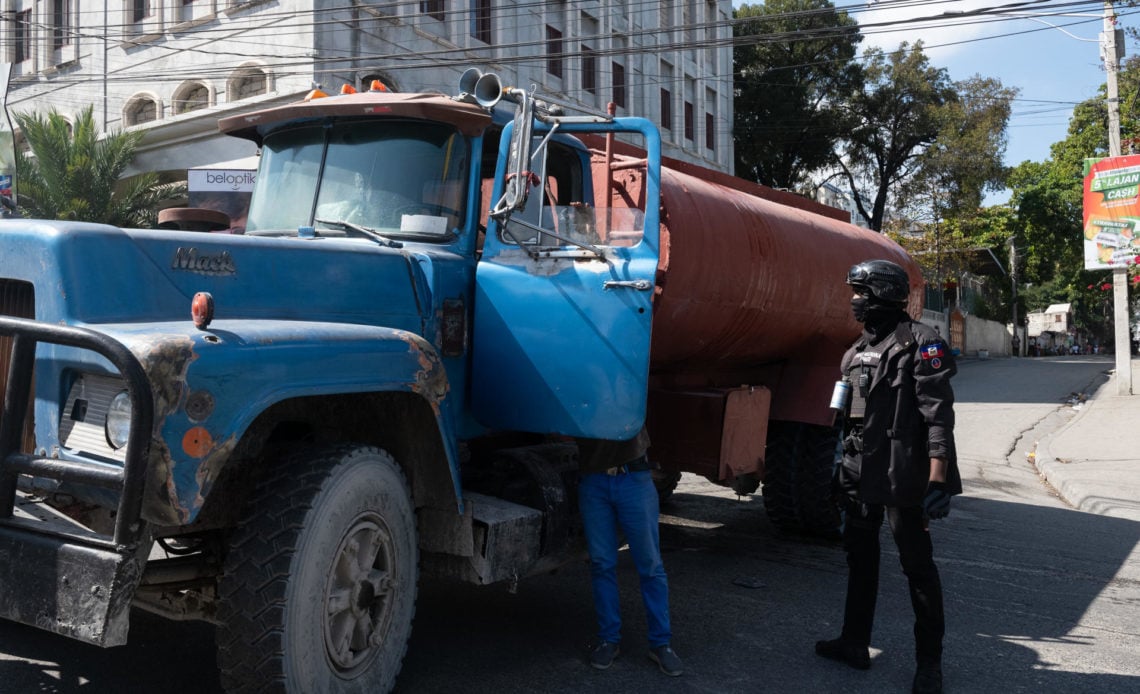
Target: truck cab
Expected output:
[384,374]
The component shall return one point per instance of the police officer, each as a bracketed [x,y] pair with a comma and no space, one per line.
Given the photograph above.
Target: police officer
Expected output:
[899,461]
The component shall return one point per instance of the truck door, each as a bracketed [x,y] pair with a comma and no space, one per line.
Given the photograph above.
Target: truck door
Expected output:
[564,292]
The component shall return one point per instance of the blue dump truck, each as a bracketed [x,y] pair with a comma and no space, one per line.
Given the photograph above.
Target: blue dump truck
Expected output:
[283,432]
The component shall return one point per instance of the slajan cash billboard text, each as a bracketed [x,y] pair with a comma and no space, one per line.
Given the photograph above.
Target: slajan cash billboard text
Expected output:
[1112,212]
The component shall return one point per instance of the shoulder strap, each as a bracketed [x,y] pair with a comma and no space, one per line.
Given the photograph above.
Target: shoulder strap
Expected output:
[904,336]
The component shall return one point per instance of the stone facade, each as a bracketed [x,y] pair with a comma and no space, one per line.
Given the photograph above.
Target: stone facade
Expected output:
[173,67]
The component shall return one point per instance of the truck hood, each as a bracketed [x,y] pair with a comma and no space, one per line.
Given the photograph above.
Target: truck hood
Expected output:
[91,273]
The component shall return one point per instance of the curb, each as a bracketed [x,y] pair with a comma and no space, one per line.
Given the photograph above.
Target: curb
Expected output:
[1097,488]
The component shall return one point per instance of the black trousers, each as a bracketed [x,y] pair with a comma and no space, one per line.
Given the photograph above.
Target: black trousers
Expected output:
[916,553]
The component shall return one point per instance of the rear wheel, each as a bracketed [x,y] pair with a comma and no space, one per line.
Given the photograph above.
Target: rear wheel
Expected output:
[797,478]
[320,579]
[819,514]
[780,462]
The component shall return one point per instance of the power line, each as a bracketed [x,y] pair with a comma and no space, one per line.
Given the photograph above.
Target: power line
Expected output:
[397,61]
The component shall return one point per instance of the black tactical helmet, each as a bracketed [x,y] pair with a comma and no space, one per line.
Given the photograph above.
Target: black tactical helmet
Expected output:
[880,279]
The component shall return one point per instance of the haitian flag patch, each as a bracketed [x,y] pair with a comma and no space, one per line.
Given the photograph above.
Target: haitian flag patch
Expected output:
[932,353]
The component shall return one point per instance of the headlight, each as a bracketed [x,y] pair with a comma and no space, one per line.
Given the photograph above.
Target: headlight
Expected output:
[118,425]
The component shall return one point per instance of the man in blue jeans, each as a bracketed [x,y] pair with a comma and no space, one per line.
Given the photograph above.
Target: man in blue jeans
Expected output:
[616,491]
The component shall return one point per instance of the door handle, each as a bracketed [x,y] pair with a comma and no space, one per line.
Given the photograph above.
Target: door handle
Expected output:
[640,285]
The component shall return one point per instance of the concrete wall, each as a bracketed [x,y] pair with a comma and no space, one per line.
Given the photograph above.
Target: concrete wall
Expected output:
[937,321]
[996,339]
[987,335]
[207,48]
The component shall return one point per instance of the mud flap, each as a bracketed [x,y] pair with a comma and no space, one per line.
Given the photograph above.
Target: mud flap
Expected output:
[75,590]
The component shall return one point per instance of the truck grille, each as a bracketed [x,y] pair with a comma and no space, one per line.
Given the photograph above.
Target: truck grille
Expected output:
[17,299]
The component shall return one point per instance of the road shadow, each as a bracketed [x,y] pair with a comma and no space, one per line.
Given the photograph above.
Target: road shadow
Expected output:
[162,657]
[1039,599]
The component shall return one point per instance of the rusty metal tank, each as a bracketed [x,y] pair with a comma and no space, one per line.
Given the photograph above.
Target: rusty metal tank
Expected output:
[751,287]
[747,280]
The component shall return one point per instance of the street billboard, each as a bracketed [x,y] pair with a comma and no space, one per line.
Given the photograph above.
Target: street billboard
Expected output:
[224,190]
[1112,212]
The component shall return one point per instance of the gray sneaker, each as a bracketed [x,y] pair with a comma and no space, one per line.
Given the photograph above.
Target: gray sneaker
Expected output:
[667,660]
[602,654]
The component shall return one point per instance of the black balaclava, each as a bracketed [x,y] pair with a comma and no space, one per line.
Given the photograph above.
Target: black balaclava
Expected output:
[879,318]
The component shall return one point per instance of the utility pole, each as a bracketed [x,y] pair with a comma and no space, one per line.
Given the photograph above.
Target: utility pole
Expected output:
[1123,343]
[1013,292]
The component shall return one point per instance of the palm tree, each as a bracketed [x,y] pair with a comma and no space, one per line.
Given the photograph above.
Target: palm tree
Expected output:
[74,174]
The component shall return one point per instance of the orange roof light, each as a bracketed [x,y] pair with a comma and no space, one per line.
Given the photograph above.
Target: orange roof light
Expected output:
[315,94]
[378,86]
[347,89]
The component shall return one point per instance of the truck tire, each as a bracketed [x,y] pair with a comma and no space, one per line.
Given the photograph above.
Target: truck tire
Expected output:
[819,514]
[797,478]
[320,577]
[779,484]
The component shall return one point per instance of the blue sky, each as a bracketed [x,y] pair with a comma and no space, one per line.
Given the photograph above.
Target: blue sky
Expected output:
[1052,69]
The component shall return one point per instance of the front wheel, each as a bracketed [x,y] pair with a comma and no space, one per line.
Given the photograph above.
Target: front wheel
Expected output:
[320,578]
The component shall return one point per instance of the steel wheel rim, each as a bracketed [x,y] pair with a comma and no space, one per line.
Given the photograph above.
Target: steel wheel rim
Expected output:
[359,595]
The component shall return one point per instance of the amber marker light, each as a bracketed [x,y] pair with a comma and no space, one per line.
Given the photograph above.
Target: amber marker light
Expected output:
[347,89]
[378,86]
[202,309]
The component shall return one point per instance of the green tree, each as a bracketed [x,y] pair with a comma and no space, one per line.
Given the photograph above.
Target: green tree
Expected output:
[964,160]
[1048,197]
[795,69]
[898,115]
[74,174]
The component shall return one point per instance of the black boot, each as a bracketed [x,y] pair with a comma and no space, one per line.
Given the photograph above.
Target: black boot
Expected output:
[927,679]
[858,657]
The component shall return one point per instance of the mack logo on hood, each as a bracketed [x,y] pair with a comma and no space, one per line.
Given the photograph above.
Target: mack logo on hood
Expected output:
[191,260]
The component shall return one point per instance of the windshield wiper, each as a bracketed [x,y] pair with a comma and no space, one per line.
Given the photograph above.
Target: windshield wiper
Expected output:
[366,231]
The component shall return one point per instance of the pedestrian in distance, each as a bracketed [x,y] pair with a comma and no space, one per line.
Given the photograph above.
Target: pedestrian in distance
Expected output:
[616,491]
[898,461]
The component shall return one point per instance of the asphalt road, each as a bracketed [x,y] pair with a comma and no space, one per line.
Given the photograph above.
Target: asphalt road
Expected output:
[1040,597]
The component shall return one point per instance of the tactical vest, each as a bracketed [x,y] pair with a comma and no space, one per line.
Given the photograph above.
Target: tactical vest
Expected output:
[859,375]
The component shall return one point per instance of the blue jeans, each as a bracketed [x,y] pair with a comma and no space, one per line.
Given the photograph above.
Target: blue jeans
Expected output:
[628,501]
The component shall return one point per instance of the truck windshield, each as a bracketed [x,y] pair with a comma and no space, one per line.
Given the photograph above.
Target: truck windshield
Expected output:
[399,177]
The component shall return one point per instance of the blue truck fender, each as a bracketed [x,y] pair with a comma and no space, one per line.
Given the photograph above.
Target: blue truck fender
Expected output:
[210,386]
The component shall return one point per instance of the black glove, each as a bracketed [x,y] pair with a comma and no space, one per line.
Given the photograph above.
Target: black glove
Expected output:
[936,503]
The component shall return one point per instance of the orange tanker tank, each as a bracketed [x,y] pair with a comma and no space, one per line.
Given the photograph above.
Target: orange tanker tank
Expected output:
[751,279]
[751,318]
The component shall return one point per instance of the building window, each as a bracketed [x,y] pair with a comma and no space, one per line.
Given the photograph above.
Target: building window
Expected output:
[141,110]
[619,85]
[481,20]
[710,132]
[554,51]
[22,36]
[433,9]
[61,23]
[250,84]
[140,10]
[689,125]
[666,109]
[191,98]
[589,70]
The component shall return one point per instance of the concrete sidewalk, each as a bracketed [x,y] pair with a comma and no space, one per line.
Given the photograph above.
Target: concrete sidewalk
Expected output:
[1094,459]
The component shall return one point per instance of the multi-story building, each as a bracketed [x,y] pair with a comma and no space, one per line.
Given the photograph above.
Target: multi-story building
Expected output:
[173,67]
